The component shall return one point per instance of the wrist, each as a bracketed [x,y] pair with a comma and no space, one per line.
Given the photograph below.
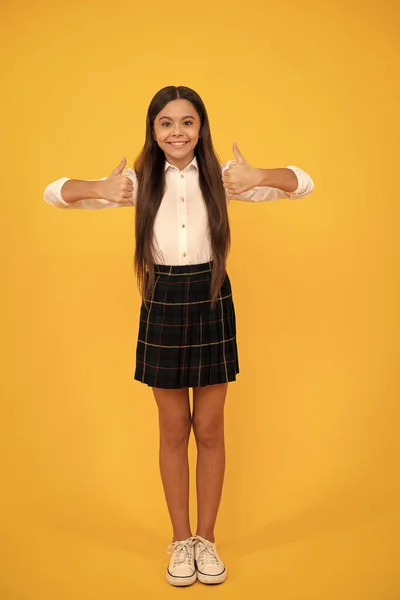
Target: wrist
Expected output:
[98,187]
[264,177]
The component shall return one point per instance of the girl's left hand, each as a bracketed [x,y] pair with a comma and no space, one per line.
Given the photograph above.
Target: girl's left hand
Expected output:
[240,176]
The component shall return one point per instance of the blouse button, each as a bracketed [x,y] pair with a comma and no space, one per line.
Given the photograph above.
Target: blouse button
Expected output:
[182,175]
[183,225]
[183,199]
[184,254]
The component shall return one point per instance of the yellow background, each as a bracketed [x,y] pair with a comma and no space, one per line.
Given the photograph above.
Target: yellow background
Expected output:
[310,507]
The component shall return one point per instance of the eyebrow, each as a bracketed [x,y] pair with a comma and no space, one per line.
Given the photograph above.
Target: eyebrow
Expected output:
[169,118]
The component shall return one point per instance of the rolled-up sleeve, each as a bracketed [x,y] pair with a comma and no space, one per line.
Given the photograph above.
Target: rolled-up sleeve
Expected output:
[265,194]
[53,196]
[305,183]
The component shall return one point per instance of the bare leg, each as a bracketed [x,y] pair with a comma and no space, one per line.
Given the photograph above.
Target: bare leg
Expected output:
[208,426]
[175,426]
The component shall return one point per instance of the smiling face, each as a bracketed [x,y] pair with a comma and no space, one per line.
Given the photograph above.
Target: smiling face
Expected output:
[176,130]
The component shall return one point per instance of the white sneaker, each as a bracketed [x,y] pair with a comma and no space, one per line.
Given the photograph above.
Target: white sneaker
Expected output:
[181,570]
[210,568]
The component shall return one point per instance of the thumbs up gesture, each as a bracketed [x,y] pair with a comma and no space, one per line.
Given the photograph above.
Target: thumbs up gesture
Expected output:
[240,176]
[117,187]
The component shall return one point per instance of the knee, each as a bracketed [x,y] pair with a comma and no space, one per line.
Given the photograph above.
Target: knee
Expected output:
[175,433]
[209,433]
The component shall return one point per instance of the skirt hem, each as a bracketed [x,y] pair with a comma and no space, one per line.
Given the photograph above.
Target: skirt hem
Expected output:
[181,387]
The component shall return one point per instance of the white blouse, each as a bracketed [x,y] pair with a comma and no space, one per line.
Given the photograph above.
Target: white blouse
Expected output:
[181,233]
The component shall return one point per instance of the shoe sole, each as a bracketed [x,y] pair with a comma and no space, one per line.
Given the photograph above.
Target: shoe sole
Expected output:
[212,579]
[181,581]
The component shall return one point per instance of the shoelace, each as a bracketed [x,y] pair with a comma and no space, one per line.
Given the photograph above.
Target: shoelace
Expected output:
[207,553]
[182,549]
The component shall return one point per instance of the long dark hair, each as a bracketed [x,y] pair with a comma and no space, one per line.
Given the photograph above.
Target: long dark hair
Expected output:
[149,167]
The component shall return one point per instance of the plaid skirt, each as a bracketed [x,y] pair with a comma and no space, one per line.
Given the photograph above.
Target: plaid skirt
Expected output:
[181,341]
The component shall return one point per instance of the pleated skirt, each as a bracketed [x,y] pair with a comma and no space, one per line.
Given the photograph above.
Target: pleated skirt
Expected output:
[181,341]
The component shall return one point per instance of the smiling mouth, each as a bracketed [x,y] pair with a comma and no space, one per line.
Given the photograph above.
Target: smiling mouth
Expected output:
[177,144]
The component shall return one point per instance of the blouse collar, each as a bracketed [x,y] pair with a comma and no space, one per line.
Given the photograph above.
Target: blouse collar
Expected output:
[193,163]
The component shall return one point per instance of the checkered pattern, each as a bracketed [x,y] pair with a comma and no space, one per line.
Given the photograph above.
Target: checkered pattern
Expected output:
[181,341]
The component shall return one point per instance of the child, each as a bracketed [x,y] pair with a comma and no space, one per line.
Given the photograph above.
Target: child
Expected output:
[187,328]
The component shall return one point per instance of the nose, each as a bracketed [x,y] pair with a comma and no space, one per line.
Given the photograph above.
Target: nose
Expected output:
[177,131]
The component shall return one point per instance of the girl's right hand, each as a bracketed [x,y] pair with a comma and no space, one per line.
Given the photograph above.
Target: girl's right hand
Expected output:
[117,187]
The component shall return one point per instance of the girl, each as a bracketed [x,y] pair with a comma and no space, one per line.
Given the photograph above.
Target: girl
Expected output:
[187,328]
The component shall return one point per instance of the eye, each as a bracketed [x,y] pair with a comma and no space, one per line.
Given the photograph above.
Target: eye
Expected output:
[165,123]
[188,122]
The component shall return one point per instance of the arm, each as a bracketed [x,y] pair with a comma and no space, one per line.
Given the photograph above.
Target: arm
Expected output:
[283,179]
[74,193]
[280,181]
[244,182]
